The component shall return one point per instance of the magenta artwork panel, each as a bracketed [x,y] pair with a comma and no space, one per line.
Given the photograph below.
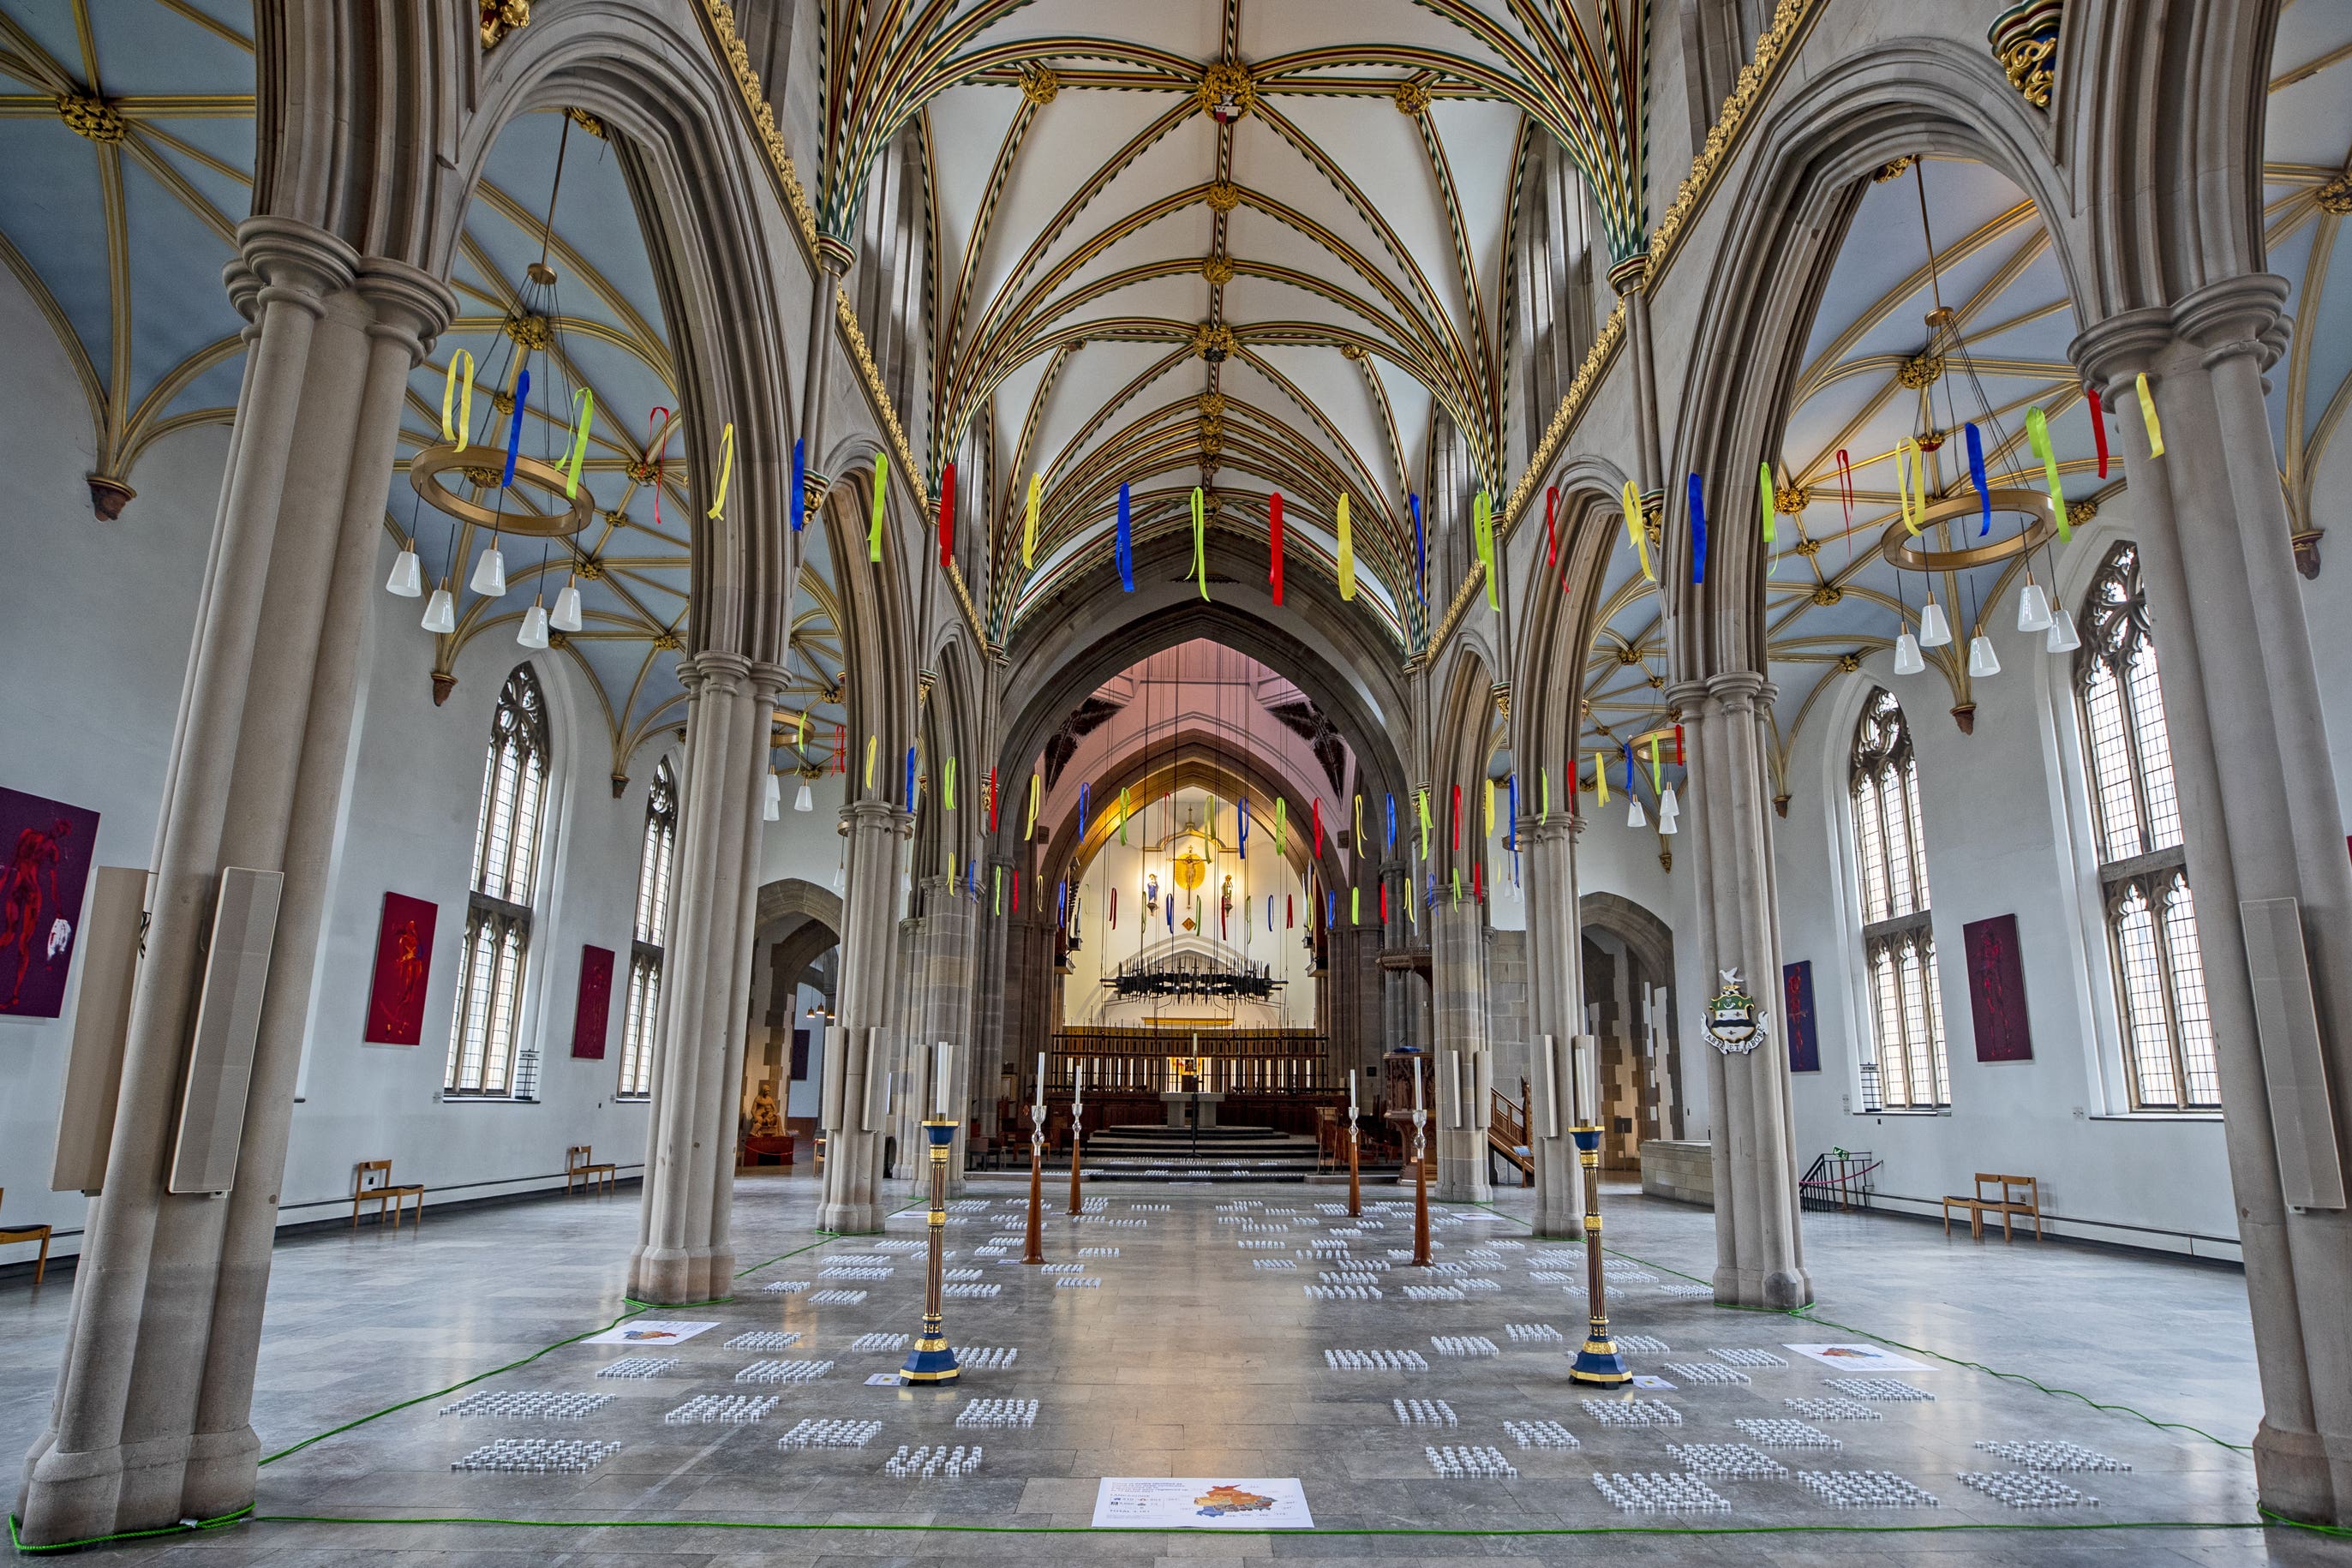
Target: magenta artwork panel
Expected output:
[1997,990]
[403,963]
[595,1006]
[49,844]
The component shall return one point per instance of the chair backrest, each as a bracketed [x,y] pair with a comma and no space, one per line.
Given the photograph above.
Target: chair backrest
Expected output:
[371,1174]
[576,1156]
[2031,1186]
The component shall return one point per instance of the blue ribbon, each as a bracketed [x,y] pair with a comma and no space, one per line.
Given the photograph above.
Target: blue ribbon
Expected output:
[1082,811]
[1123,544]
[1171,910]
[514,428]
[1391,848]
[1330,912]
[1628,768]
[1269,912]
[1698,531]
[1242,815]
[1061,903]
[1511,829]
[910,778]
[1977,474]
[800,485]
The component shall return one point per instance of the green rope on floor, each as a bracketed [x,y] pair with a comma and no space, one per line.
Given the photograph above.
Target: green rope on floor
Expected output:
[17,1540]
[1805,1313]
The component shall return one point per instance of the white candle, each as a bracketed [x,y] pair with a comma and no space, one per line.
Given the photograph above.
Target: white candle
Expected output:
[939,1082]
[1040,1080]
[1416,1085]
[1351,1094]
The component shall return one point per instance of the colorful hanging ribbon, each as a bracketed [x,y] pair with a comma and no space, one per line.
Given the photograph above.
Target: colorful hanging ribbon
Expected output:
[1281,815]
[1330,912]
[1122,546]
[1635,534]
[2147,414]
[998,908]
[1030,832]
[585,401]
[947,517]
[947,786]
[1199,541]
[881,496]
[1114,906]
[1347,550]
[1976,478]
[1122,815]
[1911,483]
[2099,429]
[1552,534]
[1511,821]
[1391,846]
[1420,551]
[1600,778]
[1316,810]
[1029,522]
[1082,810]
[2037,436]
[1771,519]
[1696,491]
[1421,805]
[800,485]
[657,434]
[1543,792]
[909,797]
[1481,534]
[1274,523]
[457,392]
[1845,484]
[1490,808]
[1241,825]
[725,466]
[991,794]
[514,428]
[1457,816]
[873,744]
[1360,824]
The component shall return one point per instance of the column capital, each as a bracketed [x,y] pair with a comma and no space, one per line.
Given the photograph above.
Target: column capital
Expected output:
[1685,695]
[769,681]
[412,306]
[2110,353]
[1564,827]
[282,261]
[715,669]
[876,815]
[2241,315]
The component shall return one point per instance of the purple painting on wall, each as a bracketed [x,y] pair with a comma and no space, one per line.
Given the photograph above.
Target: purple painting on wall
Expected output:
[1997,990]
[49,844]
[1797,1008]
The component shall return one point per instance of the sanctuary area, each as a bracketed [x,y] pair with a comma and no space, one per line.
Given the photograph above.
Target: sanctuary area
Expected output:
[879,781]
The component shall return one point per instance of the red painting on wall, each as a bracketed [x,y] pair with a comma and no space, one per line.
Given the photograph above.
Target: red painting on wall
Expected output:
[594,1008]
[1997,990]
[49,844]
[403,963]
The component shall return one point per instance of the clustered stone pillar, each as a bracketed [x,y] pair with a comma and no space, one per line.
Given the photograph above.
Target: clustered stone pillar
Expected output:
[1556,1009]
[684,1252]
[857,1051]
[150,1422]
[1462,1061]
[2259,811]
[943,1006]
[1760,1253]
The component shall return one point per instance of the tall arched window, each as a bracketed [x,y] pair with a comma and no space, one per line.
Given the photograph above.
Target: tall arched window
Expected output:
[2142,872]
[482,1056]
[1898,940]
[653,920]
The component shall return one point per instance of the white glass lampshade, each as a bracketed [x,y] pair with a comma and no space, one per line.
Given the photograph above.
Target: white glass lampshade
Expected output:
[1982,661]
[1667,823]
[490,574]
[1669,807]
[772,798]
[840,875]
[1907,658]
[407,576]
[533,633]
[441,611]
[803,799]
[2033,609]
[1934,630]
[2062,634]
[566,617]
[1635,816]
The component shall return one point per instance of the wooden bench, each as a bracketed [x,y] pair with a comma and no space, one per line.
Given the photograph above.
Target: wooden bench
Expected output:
[40,1233]
[383,1190]
[2017,1196]
[580,1164]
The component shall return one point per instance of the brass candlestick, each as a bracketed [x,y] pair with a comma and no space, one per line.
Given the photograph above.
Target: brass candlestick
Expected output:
[1598,1361]
[1036,1253]
[1077,1137]
[1355,1186]
[932,1359]
[1420,1191]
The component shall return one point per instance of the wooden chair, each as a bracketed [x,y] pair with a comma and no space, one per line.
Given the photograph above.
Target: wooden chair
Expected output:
[40,1233]
[2017,1196]
[372,1179]
[579,1164]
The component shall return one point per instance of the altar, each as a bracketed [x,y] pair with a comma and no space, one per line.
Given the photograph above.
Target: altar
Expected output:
[1178,1104]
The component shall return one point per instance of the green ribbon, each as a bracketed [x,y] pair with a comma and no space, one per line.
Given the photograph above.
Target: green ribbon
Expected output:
[2037,436]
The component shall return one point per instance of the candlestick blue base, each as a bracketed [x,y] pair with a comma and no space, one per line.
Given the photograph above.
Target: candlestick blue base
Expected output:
[933,1359]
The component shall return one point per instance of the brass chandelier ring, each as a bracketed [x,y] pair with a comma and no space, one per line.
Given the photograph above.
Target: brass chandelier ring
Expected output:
[1900,549]
[480,467]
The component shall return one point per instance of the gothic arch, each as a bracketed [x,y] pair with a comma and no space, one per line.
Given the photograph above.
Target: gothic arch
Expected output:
[1560,612]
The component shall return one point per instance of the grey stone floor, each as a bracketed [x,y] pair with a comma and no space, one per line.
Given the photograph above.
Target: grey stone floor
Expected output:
[1188,1361]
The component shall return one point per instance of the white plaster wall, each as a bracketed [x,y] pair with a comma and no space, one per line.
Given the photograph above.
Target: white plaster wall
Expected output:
[2003,813]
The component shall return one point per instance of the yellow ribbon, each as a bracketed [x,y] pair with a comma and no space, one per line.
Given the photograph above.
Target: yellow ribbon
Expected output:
[585,401]
[881,494]
[1122,815]
[2037,436]
[1601,775]
[1543,807]
[1031,831]
[950,785]
[1634,532]
[1199,541]
[2147,413]
[1356,906]
[1654,779]
[1360,824]
[1482,522]
[1910,477]
[1029,525]
[461,394]
[872,742]
[1490,807]
[1281,813]
[1421,805]
[726,469]
[1346,551]
[1772,520]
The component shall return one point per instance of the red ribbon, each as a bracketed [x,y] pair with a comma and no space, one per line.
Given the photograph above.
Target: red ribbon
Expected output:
[1016,895]
[1113,909]
[1385,903]
[1273,514]
[992,800]
[1678,745]
[840,747]
[1318,824]
[2099,429]
[1476,895]
[1552,538]
[1289,912]
[1457,816]
[947,517]
[653,427]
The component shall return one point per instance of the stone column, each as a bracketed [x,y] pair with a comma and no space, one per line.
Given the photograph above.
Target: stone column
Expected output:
[944,1004]
[150,1422]
[683,1251]
[2258,807]
[1555,1008]
[1458,967]
[858,1048]
[995,1047]
[1728,833]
